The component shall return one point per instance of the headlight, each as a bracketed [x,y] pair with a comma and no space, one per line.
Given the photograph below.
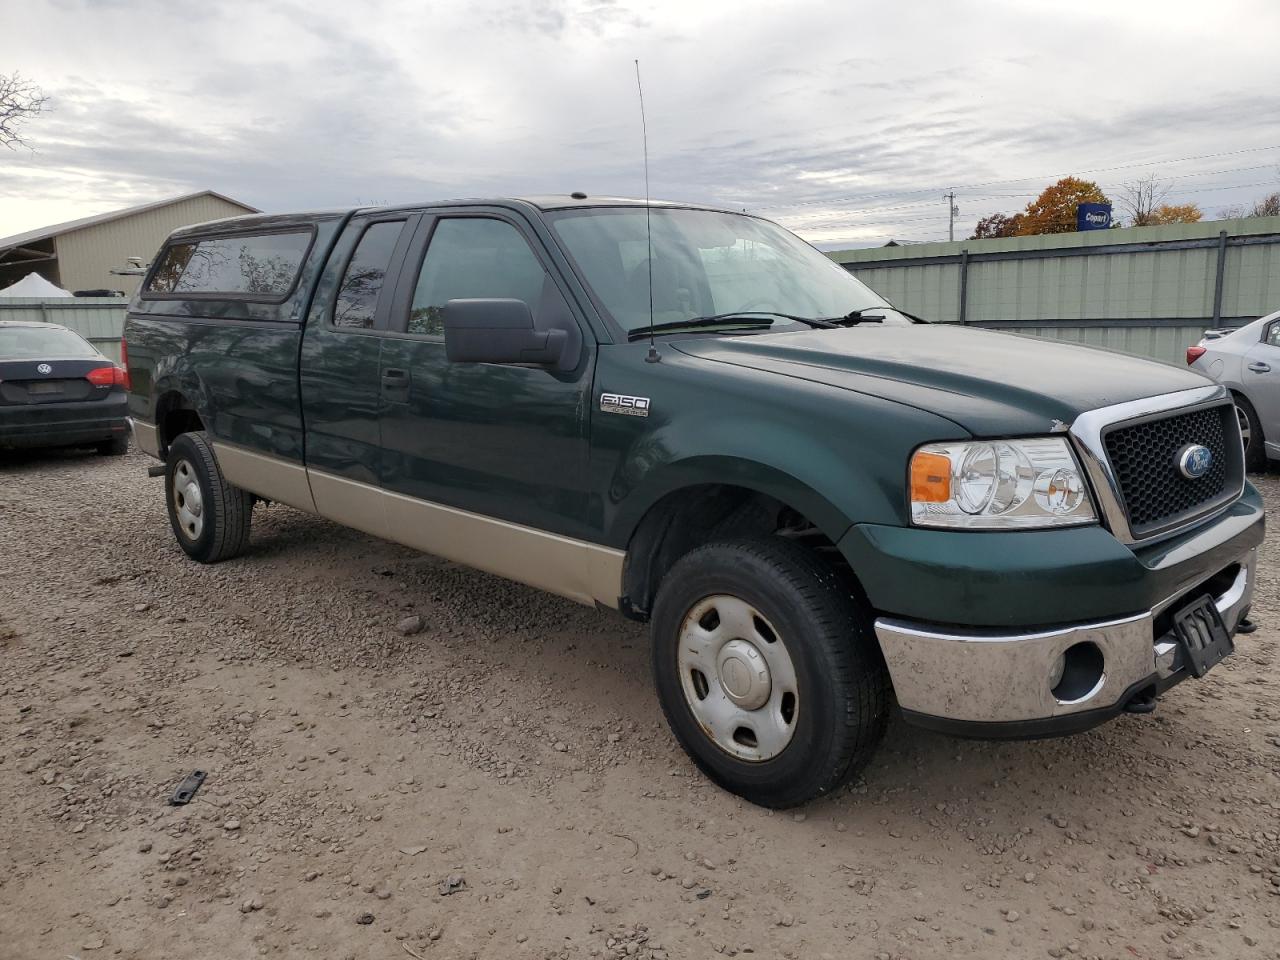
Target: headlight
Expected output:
[998,484]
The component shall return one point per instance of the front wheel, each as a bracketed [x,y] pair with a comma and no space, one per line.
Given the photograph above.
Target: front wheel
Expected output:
[767,670]
[209,516]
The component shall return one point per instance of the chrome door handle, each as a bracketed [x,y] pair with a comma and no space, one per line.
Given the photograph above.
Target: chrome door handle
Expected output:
[1259,367]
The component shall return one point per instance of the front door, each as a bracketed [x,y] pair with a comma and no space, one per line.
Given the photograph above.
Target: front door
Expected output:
[489,460]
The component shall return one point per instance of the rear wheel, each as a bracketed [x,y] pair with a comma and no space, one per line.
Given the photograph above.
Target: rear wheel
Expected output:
[210,517]
[767,670]
[1255,454]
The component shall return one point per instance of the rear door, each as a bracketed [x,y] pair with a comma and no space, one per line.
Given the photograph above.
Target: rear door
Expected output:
[340,369]
[478,451]
[1260,379]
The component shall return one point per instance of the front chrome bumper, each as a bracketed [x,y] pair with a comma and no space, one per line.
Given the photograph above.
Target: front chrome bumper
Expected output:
[1003,679]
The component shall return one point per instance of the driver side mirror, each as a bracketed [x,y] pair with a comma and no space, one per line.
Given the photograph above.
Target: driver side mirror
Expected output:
[496,330]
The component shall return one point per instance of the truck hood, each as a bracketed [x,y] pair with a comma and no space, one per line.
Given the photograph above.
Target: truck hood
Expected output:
[990,383]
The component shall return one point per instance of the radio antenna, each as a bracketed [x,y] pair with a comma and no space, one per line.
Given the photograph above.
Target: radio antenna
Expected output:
[653,356]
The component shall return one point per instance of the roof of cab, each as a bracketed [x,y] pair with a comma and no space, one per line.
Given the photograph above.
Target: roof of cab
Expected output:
[577,200]
[257,221]
[264,221]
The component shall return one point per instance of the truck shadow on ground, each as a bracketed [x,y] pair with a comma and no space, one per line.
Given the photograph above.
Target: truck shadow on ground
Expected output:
[42,458]
[595,664]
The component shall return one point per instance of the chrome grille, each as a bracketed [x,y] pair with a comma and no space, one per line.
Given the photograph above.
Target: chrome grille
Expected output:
[1144,455]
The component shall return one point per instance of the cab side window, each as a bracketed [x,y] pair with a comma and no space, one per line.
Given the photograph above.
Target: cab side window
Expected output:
[473,257]
[357,301]
[1273,335]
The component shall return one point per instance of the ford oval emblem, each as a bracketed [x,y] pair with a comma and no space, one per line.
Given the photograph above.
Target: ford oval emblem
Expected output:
[1194,461]
[44,368]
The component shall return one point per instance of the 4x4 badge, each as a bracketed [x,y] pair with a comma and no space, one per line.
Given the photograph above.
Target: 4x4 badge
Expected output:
[621,403]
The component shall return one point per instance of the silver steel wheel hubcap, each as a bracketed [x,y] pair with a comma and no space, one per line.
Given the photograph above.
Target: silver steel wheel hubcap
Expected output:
[1244,426]
[187,502]
[738,678]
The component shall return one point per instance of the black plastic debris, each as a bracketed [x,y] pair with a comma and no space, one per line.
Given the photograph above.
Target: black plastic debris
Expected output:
[187,788]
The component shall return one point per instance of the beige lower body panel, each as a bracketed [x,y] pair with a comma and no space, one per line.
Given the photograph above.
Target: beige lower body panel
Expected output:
[269,477]
[350,503]
[586,572]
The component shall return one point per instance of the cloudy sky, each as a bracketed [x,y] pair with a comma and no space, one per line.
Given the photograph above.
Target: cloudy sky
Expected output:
[844,120]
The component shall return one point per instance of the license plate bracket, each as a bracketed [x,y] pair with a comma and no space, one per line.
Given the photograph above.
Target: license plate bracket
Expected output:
[1202,635]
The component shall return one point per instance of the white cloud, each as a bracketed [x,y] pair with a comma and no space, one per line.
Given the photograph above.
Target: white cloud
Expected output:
[288,105]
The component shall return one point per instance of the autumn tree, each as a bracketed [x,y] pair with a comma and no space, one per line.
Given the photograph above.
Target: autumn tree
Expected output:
[20,100]
[1173,213]
[997,225]
[1054,211]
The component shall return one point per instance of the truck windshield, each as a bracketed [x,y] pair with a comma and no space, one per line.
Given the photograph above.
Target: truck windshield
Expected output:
[705,263]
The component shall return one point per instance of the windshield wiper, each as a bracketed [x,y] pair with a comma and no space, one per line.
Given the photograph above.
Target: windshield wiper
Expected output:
[854,317]
[750,319]
[910,316]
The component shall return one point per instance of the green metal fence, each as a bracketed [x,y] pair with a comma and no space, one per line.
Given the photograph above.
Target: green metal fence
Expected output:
[1150,291]
[100,320]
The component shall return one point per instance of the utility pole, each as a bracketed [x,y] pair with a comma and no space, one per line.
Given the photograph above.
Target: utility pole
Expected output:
[952,211]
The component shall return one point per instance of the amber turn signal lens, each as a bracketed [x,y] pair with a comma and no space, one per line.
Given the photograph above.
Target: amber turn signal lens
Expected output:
[930,478]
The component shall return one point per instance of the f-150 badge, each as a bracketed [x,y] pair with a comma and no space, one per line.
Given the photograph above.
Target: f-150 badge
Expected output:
[627,406]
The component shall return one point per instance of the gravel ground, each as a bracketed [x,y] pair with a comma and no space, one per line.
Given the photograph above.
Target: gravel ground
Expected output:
[408,758]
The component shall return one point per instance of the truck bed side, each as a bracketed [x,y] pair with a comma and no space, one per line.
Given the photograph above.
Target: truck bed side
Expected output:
[239,380]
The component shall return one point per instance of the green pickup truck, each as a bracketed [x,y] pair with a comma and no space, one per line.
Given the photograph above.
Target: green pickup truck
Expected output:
[820,504]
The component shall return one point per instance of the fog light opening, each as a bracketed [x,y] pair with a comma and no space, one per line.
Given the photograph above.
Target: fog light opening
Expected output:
[1056,671]
[1078,673]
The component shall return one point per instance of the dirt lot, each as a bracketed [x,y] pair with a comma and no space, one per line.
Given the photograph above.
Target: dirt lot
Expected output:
[500,783]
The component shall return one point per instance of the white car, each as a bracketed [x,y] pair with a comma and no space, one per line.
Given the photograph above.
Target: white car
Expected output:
[1247,362]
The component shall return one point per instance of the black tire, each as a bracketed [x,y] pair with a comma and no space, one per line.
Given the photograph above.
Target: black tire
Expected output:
[115,447]
[843,687]
[1255,453]
[225,511]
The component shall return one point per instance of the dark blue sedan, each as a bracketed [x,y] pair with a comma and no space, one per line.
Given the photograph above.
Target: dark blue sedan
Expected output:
[57,390]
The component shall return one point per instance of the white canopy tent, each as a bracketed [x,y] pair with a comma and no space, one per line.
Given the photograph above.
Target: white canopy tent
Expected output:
[34,285]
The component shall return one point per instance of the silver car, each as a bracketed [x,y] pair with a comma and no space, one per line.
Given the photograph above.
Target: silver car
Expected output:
[1247,361]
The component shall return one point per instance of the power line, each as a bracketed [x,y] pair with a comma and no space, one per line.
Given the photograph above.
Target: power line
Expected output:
[1227,186]
[904,206]
[990,183]
[1208,173]
[878,223]
[835,219]
[904,193]
[1018,196]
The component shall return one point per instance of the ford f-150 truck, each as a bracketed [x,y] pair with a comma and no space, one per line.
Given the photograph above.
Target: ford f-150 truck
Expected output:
[820,504]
